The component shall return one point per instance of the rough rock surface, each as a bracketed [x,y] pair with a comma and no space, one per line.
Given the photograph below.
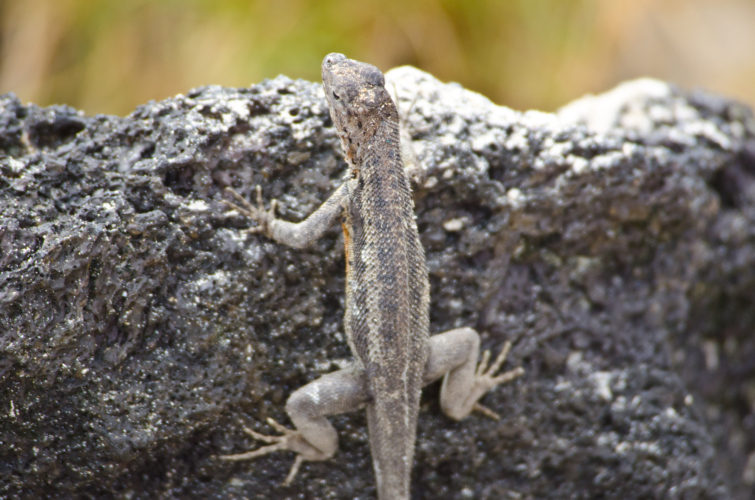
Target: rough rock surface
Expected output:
[612,242]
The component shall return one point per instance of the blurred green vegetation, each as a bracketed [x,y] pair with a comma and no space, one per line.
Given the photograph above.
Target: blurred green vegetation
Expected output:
[109,56]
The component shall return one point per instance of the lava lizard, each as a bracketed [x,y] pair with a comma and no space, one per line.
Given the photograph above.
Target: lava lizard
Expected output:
[387,297]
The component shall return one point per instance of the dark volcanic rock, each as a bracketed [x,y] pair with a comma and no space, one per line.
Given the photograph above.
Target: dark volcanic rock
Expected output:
[613,243]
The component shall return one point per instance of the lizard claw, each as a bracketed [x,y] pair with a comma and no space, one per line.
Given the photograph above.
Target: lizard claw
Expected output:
[489,374]
[486,378]
[262,217]
[288,440]
[485,411]
[275,442]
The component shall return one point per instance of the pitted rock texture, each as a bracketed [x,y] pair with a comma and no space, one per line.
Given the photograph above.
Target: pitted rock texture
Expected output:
[613,242]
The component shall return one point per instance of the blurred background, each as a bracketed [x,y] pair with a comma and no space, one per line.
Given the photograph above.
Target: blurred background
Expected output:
[109,56]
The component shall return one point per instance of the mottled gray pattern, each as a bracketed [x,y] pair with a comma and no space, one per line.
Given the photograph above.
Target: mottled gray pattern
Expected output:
[387,291]
[387,297]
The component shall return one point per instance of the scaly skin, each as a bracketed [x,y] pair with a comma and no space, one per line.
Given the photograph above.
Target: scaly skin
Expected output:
[387,297]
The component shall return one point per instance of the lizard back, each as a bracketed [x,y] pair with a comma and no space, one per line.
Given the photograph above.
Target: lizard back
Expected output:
[387,290]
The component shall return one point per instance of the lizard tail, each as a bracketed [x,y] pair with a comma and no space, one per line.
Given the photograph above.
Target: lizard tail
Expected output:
[392,426]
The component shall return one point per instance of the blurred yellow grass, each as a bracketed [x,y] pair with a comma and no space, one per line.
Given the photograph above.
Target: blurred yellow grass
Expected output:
[110,56]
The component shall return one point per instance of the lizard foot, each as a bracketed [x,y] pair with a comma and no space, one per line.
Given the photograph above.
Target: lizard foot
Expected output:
[288,440]
[486,379]
[262,217]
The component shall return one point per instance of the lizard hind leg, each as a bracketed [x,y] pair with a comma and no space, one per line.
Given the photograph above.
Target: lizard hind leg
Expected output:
[288,440]
[453,356]
[314,438]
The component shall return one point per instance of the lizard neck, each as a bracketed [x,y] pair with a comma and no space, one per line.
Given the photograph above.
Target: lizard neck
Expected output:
[380,154]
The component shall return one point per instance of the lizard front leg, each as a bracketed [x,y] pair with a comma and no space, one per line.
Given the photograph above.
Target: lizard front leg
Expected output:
[453,355]
[292,234]
[313,438]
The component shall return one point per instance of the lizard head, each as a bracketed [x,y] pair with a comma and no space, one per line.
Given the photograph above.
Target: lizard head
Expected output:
[358,101]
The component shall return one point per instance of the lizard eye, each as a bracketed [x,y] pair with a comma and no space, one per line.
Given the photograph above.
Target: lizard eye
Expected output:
[336,96]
